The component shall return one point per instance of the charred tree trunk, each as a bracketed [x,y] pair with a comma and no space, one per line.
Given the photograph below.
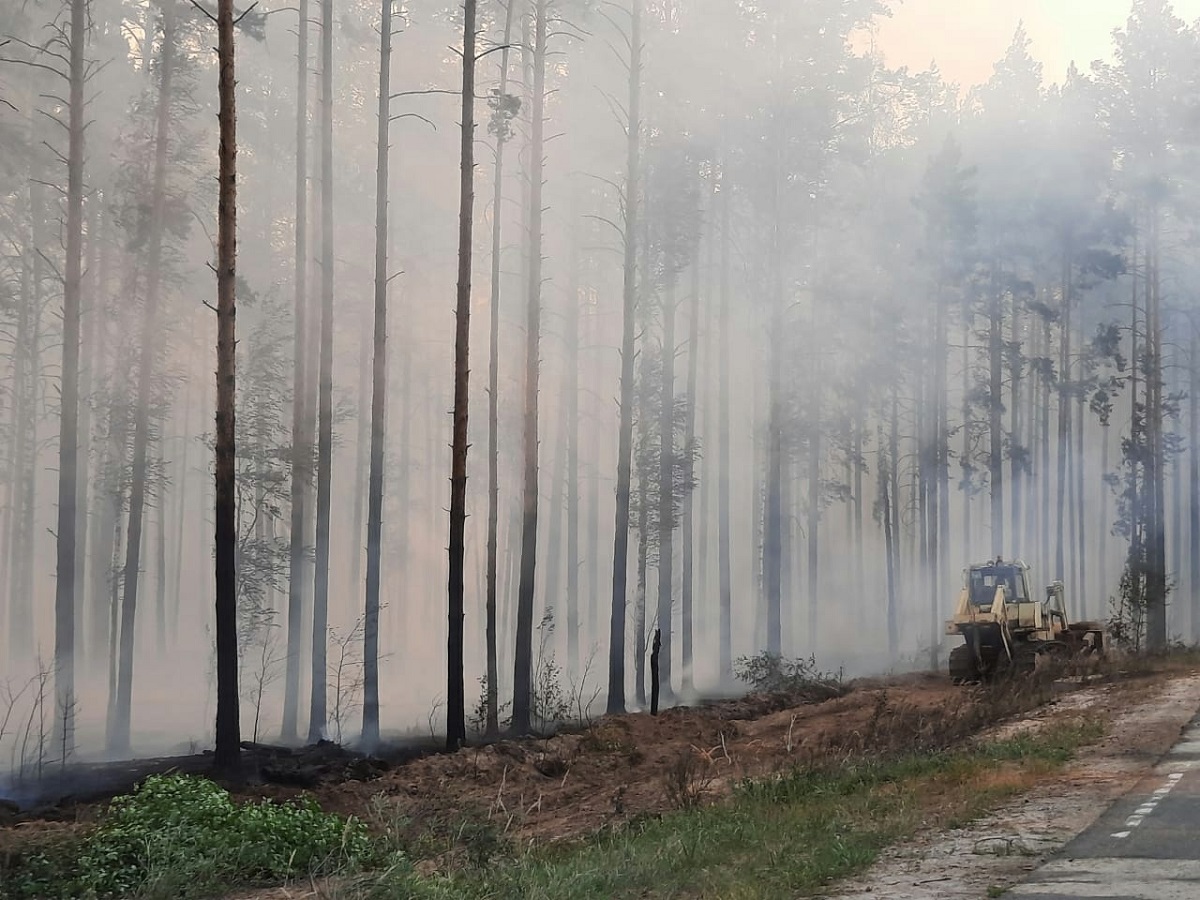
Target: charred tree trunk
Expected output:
[456,721]
[655,670]
[633,160]
[227,756]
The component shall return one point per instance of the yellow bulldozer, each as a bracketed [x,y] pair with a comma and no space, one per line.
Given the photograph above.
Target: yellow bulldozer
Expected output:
[1006,630]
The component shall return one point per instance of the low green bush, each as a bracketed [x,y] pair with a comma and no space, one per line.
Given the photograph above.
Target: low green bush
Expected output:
[182,836]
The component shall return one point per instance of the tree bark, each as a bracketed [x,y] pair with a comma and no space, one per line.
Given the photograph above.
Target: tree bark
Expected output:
[1193,482]
[655,669]
[1156,581]
[724,563]
[160,564]
[996,425]
[571,388]
[456,722]
[633,160]
[523,651]
[68,436]
[492,726]
[1064,418]
[119,734]
[227,756]
[1016,485]
[301,434]
[370,728]
[689,447]
[362,450]
[667,463]
[318,702]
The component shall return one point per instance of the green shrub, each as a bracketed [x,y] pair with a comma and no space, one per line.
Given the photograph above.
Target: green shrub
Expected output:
[771,673]
[181,836]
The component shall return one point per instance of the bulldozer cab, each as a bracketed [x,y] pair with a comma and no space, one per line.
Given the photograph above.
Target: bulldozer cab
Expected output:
[984,579]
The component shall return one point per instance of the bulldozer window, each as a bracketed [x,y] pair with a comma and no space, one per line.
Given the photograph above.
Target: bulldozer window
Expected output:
[985,580]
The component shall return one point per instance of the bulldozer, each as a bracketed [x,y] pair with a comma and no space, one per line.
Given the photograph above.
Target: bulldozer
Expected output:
[1007,631]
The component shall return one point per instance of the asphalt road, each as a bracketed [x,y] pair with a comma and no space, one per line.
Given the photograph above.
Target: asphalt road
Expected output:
[1145,847]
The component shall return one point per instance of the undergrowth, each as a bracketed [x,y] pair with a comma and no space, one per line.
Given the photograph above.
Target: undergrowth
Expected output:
[780,837]
[772,673]
[181,836]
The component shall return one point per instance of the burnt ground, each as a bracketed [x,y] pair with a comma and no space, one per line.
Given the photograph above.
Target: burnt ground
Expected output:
[605,772]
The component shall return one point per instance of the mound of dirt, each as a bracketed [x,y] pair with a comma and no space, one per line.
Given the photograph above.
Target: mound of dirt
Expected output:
[565,786]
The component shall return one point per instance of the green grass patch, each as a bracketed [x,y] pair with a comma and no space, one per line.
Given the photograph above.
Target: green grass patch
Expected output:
[781,837]
[180,837]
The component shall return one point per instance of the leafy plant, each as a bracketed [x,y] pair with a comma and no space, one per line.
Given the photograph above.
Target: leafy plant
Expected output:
[183,836]
[771,673]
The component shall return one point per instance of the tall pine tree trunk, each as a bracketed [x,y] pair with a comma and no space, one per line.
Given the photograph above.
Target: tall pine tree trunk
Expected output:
[1193,452]
[724,562]
[456,721]
[118,737]
[523,656]
[318,702]
[572,444]
[492,725]
[301,416]
[227,757]
[553,533]
[1016,481]
[773,500]
[370,728]
[689,447]
[666,492]
[362,451]
[996,425]
[68,440]
[1064,420]
[1156,581]
[633,161]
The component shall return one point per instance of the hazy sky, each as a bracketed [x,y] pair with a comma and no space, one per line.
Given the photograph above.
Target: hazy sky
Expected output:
[967,36]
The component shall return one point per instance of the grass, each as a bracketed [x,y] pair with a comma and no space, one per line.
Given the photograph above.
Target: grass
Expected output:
[783,837]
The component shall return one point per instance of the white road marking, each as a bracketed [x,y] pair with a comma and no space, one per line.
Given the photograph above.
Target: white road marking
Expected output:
[1148,807]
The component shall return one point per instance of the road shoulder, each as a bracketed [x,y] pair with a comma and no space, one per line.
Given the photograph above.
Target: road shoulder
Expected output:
[999,851]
